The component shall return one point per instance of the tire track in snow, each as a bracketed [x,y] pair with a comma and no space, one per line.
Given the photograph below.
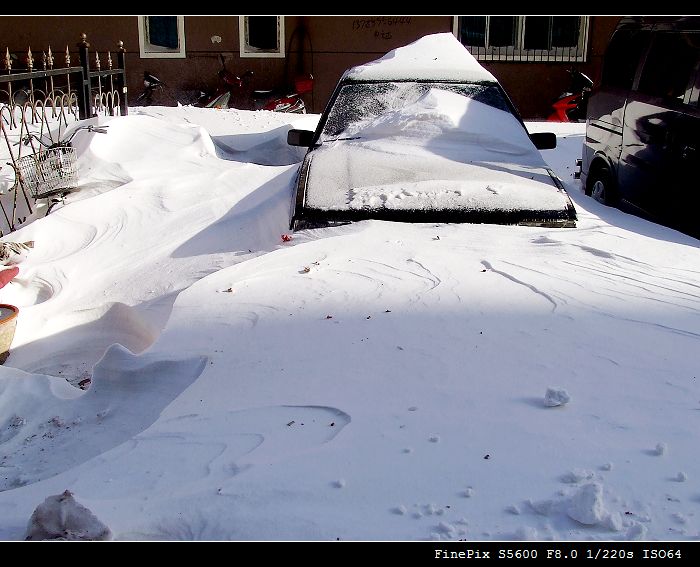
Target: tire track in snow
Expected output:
[531,287]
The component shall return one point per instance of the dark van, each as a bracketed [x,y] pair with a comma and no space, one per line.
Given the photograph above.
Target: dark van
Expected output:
[643,122]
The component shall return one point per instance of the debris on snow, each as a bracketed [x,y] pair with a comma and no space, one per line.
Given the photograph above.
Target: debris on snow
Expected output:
[577,475]
[434,439]
[543,507]
[340,483]
[468,492]
[660,449]
[61,517]
[513,509]
[554,398]
[613,522]
[446,528]
[586,505]
[400,510]
[681,477]
[606,467]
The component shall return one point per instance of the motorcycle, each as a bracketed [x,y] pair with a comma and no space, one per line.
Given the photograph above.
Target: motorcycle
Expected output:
[571,104]
[234,92]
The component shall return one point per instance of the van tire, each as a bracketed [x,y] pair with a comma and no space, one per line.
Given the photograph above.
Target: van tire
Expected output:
[601,187]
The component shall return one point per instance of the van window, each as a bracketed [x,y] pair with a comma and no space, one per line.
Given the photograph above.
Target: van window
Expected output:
[622,58]
[670,64]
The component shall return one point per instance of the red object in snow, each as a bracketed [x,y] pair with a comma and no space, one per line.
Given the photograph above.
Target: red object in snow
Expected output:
[286,238]
[7,275]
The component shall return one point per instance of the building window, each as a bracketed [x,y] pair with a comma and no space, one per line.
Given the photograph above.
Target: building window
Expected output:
[261,36]
[524,38]
[162,36]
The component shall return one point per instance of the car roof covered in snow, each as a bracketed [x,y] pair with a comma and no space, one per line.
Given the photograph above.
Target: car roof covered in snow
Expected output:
[436,57]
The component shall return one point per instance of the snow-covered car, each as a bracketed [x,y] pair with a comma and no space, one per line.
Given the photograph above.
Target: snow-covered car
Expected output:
[425,134]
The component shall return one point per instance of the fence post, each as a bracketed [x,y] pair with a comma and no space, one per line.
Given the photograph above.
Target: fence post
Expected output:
[84,103]
[121,80]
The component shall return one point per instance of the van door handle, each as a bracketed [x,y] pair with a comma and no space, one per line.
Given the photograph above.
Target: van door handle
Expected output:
[688,152]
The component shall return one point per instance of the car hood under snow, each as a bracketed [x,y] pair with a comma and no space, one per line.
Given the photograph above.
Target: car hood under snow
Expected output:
[443,157]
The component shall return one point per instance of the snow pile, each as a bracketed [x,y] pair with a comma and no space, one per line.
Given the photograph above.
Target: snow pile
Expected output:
[554,398]
[437,56]
[586,506]
[61,517]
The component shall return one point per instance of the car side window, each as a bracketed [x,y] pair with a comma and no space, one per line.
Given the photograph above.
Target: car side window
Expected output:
[622,58]
[670,65]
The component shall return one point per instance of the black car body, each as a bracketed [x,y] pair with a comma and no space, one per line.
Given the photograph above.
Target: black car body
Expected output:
[643,122]
[425,134]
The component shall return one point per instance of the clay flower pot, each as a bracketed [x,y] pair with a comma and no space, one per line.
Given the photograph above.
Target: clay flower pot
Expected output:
[8,323]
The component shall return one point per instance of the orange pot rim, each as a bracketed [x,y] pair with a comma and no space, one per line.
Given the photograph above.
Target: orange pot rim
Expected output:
[15,312]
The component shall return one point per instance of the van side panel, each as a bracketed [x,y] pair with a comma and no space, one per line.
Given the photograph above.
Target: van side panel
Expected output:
[606,105]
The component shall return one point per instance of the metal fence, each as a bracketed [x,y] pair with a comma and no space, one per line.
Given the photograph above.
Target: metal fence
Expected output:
[39,98]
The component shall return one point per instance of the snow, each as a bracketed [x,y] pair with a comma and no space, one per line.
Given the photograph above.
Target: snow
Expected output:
[433,57]
[61,517]
[236,395]
[439,151]
[554,397]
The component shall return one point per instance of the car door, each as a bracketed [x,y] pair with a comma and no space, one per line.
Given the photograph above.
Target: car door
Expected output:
[687,160]
[652,172]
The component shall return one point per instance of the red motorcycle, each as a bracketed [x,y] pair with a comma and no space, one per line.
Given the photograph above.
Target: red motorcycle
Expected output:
[571,105]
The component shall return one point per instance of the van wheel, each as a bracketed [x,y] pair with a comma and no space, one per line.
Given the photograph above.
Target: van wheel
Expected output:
[601,187]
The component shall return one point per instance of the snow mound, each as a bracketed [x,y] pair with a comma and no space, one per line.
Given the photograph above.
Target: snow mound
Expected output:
[554,398]
[62,517]
[586,505]
[133,137]
[435,56]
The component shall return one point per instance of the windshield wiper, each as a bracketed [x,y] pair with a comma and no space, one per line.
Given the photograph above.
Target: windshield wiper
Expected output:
[342,139]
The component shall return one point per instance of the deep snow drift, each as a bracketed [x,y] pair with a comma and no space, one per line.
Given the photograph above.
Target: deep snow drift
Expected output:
[372,381]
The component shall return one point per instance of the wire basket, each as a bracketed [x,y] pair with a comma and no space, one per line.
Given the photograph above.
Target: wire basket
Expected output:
[49,172]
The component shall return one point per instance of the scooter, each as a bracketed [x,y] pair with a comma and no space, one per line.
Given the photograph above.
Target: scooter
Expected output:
[571,105]
[234,92]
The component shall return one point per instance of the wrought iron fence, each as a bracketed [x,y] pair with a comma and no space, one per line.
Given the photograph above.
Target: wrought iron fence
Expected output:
[39,100]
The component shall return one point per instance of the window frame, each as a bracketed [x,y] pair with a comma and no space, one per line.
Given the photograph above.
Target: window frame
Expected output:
[149,51]
[517,53]
[246,50]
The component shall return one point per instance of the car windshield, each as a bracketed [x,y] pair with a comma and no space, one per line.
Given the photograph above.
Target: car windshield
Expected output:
[358,103]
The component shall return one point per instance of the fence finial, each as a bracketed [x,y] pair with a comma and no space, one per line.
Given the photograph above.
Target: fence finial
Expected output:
[97,60]
[67,57]
[50,58]
[43,60]
[109,59]
[8,59]
[30,59]
[120,45]
[83,40]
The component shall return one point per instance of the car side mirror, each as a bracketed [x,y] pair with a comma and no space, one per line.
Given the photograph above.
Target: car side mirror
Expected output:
[303,138]
[544,140]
